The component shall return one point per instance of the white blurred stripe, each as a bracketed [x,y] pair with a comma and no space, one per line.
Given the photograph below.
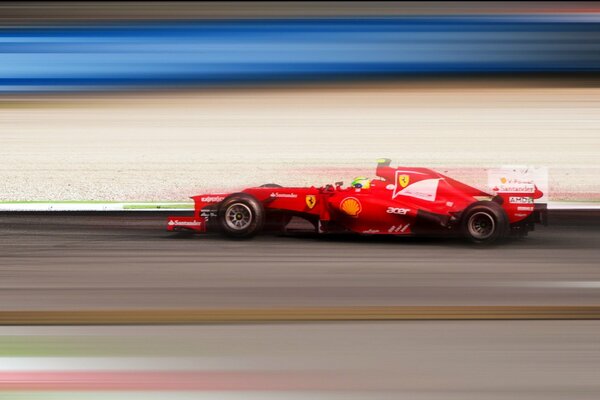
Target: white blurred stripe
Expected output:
[576,205]
[6,206]
[91,206]
[63,364]
[562,284]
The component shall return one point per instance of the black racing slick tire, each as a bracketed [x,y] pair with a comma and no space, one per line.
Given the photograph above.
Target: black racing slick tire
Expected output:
[484,222]
[241,215]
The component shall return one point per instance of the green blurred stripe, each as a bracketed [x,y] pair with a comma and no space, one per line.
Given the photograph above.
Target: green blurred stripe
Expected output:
[270,315]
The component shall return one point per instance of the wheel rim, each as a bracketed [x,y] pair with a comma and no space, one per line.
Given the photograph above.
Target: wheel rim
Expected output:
[481,225]
[238,216]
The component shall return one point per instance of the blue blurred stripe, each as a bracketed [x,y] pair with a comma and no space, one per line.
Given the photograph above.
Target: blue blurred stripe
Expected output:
[231,52]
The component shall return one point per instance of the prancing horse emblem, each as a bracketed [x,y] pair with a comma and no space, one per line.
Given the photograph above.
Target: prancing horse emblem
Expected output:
[403,180]
[311,200]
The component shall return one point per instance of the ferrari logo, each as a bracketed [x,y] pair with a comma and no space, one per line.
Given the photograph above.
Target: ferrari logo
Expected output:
[311,200]
[403,180]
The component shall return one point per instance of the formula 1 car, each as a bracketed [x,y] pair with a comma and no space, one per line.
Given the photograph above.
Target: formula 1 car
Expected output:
[400,201]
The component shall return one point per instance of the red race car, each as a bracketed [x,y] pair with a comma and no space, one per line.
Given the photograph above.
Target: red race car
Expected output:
[400,201]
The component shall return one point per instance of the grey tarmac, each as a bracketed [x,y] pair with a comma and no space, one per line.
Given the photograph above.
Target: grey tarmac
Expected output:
[128,261]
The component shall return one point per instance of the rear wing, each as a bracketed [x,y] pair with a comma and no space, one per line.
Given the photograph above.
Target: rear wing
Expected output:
[523,188]
[520,181]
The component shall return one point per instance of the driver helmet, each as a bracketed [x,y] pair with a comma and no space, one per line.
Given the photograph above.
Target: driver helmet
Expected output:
[361,182]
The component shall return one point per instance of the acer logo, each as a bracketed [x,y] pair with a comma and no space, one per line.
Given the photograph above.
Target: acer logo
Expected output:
[399,211]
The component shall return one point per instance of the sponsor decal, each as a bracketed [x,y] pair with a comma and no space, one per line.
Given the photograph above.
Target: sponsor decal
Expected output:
[311,200]
[424,190]
[403,180]
[396,210]
[399,228]
[184,223]
[521,208]
[351,206]
[518,179]
[212,199]
[520,215]
[514,189]
[371,231]
[520,200]
[288,195]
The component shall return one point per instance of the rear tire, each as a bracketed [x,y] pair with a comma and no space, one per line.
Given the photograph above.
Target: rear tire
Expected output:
[484,223]
[241,215]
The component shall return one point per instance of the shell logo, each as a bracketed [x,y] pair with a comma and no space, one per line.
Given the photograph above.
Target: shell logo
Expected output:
[351,206]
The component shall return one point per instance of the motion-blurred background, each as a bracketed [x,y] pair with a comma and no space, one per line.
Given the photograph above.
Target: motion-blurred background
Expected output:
[157,101]
[150,101]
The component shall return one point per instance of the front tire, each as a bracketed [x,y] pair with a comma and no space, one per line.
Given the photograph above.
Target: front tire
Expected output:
[241,216]
[484,222]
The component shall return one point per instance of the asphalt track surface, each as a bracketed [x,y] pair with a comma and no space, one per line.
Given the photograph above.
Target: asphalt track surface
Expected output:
[124,261]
